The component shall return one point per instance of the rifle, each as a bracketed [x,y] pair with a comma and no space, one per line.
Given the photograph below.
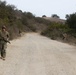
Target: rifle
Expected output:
[6,40]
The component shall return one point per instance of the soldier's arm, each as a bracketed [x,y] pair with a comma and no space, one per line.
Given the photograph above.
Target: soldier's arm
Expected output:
[1,35]
[7,37]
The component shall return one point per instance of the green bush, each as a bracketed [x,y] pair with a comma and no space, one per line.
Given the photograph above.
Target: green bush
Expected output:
[55,30]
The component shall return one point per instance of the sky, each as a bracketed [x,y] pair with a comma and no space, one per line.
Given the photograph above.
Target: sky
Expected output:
[45,7]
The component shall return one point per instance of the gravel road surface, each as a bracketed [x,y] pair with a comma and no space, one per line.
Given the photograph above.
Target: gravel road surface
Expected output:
[33,54]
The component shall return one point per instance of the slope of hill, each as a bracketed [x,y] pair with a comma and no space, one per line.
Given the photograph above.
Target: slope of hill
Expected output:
[55,19]
[16,20]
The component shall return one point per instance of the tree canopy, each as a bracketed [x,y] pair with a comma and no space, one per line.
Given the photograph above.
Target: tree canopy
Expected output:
[55,16]
[71,21]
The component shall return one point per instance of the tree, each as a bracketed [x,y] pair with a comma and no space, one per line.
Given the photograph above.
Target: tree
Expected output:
[71,21]
[2,3]
[43,15]
[67,16]
[55,16]
[30,15]
[11,7]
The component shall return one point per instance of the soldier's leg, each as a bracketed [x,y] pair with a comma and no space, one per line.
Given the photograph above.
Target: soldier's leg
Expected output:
[3,52]
[1,49]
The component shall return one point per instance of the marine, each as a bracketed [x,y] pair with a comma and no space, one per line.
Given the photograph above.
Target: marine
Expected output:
[4,37]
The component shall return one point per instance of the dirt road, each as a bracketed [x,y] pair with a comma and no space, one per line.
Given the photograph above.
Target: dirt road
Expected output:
[33,54]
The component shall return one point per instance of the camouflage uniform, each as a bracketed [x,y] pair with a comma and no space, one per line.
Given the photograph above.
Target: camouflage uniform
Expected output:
[4,35]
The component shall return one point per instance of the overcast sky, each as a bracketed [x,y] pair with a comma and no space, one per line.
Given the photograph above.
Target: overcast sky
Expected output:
[46,7]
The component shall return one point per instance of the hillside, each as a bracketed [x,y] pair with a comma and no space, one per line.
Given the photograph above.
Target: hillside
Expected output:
[57,20]
[16,20]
